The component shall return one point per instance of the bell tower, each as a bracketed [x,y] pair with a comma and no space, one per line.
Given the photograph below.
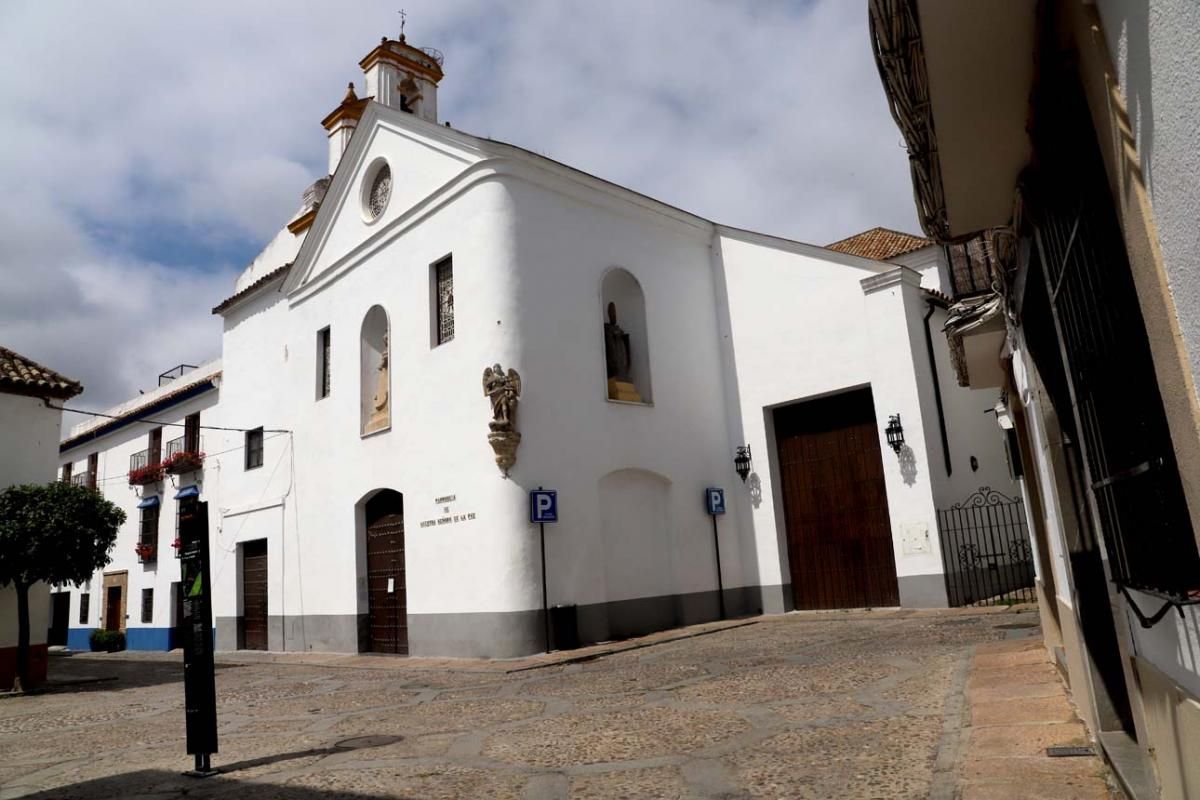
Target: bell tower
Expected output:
[398,75]
[404,77]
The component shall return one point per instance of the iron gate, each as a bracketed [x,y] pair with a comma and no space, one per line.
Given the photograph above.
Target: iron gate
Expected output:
[986,553]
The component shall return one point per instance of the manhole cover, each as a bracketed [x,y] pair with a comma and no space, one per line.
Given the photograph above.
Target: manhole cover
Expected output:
[361,742]
[1016,626]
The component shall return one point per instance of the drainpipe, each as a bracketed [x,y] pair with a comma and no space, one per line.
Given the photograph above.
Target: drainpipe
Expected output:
[937,391]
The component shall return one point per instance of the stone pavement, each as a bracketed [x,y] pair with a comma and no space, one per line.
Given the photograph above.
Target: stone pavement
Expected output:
[844,705]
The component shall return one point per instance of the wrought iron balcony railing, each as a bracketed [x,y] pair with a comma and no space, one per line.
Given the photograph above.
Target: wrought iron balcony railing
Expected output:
[183,455]
[145,467]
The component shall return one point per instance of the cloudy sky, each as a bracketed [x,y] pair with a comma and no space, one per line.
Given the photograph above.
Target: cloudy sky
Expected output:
[150,149]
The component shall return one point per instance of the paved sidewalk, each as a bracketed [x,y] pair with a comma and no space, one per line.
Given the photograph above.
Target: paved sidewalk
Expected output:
[871,705]
[1016,706]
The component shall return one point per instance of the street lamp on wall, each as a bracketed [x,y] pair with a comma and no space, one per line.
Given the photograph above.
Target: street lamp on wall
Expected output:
[895,433]
[741,461]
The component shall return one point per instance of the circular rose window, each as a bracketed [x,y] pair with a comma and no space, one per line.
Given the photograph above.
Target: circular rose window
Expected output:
[381,190]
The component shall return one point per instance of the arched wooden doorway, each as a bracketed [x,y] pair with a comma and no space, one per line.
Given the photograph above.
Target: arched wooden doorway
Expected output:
[387,604]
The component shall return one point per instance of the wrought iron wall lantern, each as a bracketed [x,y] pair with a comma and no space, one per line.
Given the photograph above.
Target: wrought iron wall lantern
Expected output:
[895,433]
[741,462]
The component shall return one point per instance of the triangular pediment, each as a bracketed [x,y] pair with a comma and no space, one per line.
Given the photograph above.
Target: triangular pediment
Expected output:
[422,158]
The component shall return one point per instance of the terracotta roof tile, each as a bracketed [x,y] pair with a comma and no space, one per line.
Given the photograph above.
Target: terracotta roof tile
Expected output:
[20,375]
[263,281]
[879,244]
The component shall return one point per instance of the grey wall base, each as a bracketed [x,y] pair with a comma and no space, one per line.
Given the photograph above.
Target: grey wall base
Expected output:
[923,591]
[511,634]
[333,633]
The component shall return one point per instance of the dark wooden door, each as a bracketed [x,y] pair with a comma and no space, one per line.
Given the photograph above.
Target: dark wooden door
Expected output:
[60,616]
[112,609]
[387,603]
[835,503]
[254,595]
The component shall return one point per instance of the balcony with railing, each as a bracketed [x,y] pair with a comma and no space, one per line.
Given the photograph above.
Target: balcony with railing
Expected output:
[972,267]
[85,479]
[185,454]
[145,467]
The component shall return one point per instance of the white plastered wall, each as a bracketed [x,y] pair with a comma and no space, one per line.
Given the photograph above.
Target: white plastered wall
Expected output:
[28,454]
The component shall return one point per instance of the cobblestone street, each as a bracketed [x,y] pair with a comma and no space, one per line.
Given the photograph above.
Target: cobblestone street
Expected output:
[856,705]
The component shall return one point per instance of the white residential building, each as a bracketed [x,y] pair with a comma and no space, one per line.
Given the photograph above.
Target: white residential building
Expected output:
[147,456]
[30,419]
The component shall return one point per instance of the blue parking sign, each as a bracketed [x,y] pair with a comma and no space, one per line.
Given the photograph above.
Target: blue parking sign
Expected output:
[714,500]
[543,505]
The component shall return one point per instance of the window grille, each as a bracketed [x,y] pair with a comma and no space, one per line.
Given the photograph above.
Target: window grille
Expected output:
[445,300]
[148,534]
[1110,387]
[147,605]
[84,603]
[323,362]
[254,448]
[93,470]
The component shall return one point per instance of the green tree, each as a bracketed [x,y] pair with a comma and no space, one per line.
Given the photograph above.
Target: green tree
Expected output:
[56,533]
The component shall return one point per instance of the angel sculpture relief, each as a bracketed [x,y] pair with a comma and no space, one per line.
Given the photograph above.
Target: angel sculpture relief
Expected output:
[504,391]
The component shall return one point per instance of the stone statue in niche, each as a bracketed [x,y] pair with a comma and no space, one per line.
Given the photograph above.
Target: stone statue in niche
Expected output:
[381,403]
[504,391]
[618,360]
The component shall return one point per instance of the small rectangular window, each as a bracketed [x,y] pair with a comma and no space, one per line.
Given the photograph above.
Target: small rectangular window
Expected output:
[66,472]
[323,363]
[84,602]
[147,605]
[254,448]
[443,276]
[93,470]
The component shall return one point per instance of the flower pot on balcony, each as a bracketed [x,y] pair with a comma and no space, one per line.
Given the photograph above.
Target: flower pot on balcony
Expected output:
[146,552]
[152,473]
[180,463]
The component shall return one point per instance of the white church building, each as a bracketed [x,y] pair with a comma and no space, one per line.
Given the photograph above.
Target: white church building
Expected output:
[450,322]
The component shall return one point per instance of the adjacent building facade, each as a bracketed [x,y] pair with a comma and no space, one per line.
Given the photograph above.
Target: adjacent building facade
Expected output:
[30,422]
[1053,149]
[150,458]
[449,322]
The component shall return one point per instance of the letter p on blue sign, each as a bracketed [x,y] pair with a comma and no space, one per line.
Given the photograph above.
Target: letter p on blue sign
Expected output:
[714,499]
[543,505]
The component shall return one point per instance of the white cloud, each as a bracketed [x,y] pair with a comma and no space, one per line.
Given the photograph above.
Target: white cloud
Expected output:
[126,119]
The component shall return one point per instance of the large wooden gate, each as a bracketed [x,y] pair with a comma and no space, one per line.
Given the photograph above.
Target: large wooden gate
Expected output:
[387,604]
[835,503]
[254,595]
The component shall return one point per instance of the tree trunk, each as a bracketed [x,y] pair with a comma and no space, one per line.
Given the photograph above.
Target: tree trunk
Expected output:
[22,636]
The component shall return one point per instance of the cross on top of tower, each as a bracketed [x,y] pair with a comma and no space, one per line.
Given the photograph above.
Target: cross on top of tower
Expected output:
[403,19]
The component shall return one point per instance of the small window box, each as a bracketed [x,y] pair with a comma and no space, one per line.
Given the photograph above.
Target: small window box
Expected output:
[146,552]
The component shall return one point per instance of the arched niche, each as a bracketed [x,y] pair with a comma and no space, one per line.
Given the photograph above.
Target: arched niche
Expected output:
[626,344]
[636,520]
[375,373]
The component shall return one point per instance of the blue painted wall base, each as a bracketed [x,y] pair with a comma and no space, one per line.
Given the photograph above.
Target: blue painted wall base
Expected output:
[135,638]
